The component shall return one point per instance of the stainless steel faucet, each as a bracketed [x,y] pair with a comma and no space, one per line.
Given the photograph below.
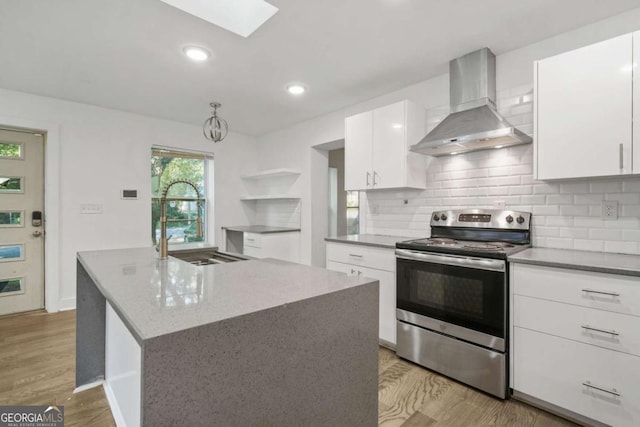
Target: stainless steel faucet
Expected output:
[164,241]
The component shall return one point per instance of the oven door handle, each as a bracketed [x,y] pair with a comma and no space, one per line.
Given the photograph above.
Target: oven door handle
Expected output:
[457,261]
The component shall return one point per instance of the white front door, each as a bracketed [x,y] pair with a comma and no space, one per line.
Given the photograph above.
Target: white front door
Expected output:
[21,237]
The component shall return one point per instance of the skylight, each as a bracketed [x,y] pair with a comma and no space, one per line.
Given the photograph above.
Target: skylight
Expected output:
[242,17]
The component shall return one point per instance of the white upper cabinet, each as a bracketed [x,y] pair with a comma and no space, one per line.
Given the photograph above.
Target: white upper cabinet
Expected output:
[583,114]
[377,145]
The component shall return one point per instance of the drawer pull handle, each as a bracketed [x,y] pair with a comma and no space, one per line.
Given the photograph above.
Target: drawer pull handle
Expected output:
[355,255]
[591,291]
[589,328]
[597,387]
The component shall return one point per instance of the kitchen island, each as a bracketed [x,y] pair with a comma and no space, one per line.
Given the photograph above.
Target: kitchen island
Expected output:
[257,342]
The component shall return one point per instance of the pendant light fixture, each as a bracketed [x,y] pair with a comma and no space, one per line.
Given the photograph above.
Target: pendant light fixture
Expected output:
[215,128]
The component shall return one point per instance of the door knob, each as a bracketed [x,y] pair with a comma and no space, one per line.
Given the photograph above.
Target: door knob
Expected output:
[37,233]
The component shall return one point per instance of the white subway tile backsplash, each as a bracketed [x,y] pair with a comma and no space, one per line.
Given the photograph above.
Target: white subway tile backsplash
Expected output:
[621,247]
[575,187]
[559,242]
[588,245]
[560,199]
[604,234]
[631,185]
[574,210]
[565,214]
[606,187]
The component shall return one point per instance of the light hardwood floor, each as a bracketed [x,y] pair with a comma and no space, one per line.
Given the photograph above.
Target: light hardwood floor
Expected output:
[37,367]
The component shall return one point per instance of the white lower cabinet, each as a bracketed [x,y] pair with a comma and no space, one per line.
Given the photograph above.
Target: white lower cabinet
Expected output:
[600,384]
[367,261]
[576,342]
[284,246]
[123,371]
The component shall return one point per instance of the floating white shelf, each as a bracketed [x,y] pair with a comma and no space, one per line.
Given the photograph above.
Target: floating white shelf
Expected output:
[271,173]
[269,196]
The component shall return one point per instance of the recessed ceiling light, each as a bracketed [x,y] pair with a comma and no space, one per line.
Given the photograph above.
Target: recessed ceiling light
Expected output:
[498,146]
[396,126]
[454,153]
[196,53]
[296,89]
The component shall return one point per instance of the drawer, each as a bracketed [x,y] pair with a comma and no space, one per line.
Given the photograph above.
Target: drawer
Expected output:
[252,239]
[610,292]
[610,330]
[555,370]
[253,252]
[365,256]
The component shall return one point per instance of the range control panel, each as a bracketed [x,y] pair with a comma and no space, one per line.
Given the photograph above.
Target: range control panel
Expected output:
[482,218]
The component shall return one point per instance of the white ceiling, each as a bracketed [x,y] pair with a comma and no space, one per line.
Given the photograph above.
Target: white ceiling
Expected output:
[126,54]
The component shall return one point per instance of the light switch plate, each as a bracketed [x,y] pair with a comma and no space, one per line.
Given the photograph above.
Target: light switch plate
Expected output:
[610,209]
[90,208]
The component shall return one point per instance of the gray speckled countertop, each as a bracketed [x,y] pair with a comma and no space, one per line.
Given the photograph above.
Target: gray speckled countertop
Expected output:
[157,297]
[260,229]
[377,240]
[580,260]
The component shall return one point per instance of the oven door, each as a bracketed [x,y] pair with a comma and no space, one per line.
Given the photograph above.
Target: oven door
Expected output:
[461,296]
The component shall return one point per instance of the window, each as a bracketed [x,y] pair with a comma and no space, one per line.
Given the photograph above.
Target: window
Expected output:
[353,212]
[182,208]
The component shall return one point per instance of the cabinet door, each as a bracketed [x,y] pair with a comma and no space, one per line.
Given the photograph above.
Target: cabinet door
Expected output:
[387,304]
[636,102]
[387,297]
[584,101]
[284,246]
[389,146]
[358,151]
[253,252]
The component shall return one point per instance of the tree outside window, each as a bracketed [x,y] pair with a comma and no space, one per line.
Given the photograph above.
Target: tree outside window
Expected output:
[353,212]
[166,167]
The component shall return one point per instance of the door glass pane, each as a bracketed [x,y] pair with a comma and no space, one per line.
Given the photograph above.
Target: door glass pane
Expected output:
[11,253]
[11,219]
[11,286]
[11,184]
[10,150]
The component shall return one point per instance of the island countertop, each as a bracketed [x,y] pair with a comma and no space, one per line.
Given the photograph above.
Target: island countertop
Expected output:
[157,297]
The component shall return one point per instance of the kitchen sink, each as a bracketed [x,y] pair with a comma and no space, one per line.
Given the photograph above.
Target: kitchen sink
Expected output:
[206,256]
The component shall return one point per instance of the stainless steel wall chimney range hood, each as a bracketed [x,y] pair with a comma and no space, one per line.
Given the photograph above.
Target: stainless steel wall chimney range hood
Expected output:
[473,124]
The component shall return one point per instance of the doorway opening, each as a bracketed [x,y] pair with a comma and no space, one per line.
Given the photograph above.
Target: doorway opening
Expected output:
[343,206]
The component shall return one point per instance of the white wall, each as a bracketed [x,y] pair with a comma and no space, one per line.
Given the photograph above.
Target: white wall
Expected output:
[103,151]
[292,146]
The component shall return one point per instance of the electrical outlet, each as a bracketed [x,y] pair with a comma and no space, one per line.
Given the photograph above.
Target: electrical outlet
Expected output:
[610,209]
[374,209]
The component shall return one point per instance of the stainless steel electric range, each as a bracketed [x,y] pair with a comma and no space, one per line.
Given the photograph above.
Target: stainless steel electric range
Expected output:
[452,295]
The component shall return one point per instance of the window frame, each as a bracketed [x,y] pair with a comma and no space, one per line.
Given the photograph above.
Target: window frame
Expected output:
[206,193]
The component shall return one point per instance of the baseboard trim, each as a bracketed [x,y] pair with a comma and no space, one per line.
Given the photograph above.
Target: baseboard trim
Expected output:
[88,386]
[113,404]
[557,410]
[67,304]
